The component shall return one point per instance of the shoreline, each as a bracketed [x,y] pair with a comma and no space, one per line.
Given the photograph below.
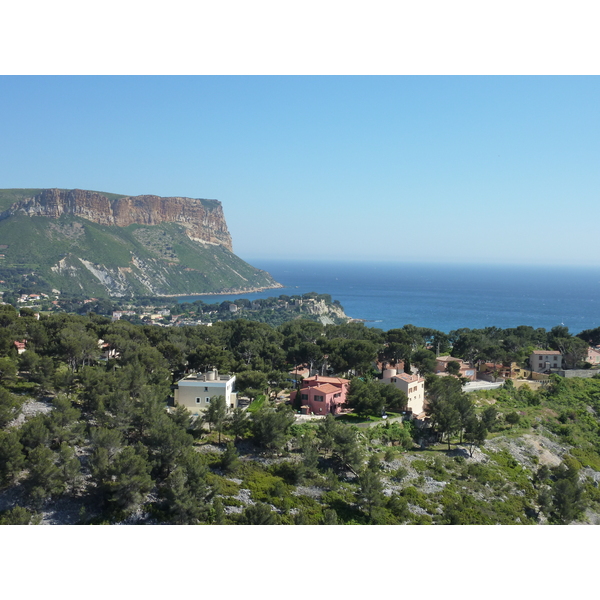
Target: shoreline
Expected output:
[229,293]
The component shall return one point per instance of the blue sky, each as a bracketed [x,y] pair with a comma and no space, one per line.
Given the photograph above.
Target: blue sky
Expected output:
[463,169]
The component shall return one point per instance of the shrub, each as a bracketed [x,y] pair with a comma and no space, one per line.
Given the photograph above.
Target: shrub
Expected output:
[414,496]
[420,466]
[398,506]
[400,473]
[483,474]
[587,458]
[389,455]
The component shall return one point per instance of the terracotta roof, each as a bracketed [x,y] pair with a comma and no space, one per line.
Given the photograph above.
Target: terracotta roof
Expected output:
[302,372]
[408,378]
[327,379]
[448,359]
[546,352]
[326,389]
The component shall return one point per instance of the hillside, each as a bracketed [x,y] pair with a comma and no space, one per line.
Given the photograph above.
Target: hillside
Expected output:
[99,244]
[90,440]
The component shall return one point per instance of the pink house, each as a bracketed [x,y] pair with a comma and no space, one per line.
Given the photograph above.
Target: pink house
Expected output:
[465,370]
[593,355]
[323,395]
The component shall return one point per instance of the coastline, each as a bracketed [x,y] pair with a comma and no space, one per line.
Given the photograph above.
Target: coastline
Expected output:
[227,293]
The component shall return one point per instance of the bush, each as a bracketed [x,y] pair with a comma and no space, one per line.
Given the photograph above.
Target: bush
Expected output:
[587,458]
[420,466]
[483,474]
[259,514]
[400,473]
[398,506]
[389,455]
[17,516]
[414,496]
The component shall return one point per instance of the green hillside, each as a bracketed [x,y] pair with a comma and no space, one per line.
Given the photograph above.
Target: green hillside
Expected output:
[80,257]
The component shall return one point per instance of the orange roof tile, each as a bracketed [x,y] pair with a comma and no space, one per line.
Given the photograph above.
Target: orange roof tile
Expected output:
[327,379]
[326,388]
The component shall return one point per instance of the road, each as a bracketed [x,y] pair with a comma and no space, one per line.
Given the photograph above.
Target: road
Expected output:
[481,385]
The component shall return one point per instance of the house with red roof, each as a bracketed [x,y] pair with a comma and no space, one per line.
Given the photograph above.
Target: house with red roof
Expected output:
[20,346]
[321,395]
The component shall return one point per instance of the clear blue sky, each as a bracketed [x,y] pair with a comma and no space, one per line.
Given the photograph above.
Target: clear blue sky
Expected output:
[465,169]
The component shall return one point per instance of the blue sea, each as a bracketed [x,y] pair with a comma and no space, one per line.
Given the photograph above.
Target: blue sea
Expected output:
[443,297]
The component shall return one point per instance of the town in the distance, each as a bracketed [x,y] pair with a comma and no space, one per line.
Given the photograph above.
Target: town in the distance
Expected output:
[121,404]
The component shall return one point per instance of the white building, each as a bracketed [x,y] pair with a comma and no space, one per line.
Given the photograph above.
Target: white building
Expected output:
[412,385]
[541,361]
[196,391]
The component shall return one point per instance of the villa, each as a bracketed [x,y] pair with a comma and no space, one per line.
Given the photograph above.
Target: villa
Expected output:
[412,385]
[466,370]
[195,391]
[541,361]
[322,395]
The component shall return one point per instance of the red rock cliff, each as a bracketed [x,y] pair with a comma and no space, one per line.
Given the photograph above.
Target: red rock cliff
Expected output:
[203,219]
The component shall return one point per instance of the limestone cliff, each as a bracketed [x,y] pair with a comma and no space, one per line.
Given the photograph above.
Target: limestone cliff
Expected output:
[203,220]
[96,244]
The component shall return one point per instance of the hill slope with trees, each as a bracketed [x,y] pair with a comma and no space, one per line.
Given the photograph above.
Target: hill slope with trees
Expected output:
[85,440]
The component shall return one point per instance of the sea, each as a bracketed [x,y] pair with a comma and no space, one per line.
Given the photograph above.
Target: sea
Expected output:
[445,297]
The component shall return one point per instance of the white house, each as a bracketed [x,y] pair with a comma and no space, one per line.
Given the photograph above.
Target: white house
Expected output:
[541,361]
[196,391]
[412,385]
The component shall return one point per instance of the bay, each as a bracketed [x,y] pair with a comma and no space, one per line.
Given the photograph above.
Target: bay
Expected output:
[442,296]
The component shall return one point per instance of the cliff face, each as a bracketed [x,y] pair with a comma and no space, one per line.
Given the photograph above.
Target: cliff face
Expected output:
[203,220]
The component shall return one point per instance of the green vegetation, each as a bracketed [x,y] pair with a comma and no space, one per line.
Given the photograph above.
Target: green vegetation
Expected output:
[83,258]
[100,433]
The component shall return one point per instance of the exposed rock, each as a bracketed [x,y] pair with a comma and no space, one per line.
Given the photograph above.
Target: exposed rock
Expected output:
[98,244]
[203,219]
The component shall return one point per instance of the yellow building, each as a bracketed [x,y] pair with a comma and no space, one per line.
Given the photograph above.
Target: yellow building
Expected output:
[412,385]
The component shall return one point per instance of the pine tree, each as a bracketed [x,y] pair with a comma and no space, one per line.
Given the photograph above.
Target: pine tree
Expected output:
[69,466]
[230,459]
[216,414]
[12,459]
[45,478]
[240,423]
[129,479]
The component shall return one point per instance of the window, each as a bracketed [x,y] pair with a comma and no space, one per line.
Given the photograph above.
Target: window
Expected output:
[206,389]
[318,398]
[303,396]
[198,400]
[207,400]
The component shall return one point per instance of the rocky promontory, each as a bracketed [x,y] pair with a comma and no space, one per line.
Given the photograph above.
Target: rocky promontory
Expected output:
[89,243]
[202,219]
